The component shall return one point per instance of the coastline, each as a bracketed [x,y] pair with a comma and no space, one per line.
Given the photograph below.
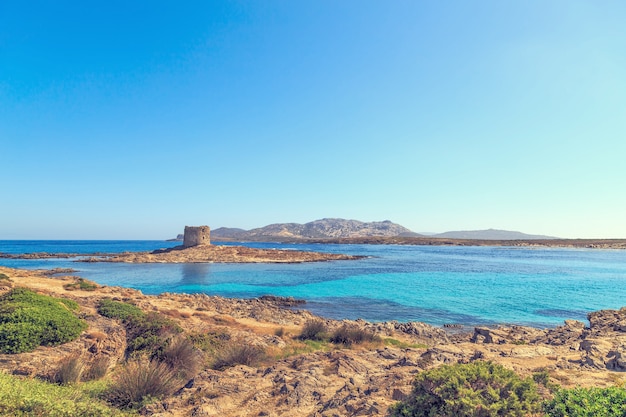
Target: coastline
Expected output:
[304,379]
[426,241]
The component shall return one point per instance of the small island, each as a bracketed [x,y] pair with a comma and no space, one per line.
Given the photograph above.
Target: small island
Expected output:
[197,248]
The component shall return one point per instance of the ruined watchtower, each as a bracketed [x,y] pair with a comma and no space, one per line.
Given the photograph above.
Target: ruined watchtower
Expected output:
[197,235]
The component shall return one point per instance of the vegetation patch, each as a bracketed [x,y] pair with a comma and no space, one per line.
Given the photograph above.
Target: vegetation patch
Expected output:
[32,397]
[239,354]
[140,382]
[181,355]
[303,347]
[29,320]
[314,330]
[70,370]
[587,402]
[146,332]
[209,342]
[348,335]
[388,341]
[81,284]
[98,369]
[479,388]
[119,310]
[150,333]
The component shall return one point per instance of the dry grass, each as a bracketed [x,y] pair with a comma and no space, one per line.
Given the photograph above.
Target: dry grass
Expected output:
[70,370]
[139,381]
[183,357]
[239,354]
[98,369]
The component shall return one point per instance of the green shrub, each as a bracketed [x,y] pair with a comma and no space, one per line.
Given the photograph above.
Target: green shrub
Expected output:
[119,310]
[209,342]
[478,389]
[150,333]
[239,354]
[29,320]
[587,402]
[347,335]
[140,382]
[146,332]
[81,284]
[4,277]
[32,397]
[313,330]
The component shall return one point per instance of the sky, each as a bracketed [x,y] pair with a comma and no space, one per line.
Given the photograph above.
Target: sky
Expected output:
[130,120]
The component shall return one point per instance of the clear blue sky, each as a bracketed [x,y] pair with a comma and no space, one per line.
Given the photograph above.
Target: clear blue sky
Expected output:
[133,119]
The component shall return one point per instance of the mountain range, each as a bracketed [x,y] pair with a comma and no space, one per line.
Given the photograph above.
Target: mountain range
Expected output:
[346,229]
[318,229]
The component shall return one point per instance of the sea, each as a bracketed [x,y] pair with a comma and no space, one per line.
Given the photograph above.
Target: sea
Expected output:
[439,285]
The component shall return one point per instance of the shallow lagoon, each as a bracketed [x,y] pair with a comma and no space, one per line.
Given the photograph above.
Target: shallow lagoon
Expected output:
[434,284]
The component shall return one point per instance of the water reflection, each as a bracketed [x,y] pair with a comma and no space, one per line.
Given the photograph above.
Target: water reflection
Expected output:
[195,274]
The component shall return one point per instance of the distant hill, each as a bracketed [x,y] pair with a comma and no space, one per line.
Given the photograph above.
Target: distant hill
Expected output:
[491,234]
[318,229]
[228,233]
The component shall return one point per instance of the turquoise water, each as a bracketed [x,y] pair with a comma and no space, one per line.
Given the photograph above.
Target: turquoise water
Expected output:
[433,284]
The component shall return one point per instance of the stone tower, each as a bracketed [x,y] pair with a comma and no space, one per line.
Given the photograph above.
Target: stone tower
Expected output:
[197,235]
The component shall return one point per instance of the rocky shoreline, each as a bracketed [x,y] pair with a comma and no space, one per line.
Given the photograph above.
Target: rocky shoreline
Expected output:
[195,254]
[321,380]
[431,241]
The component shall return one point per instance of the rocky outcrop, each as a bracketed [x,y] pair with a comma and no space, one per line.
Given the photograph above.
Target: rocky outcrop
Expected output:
[503,334]
[198,254]
[218,254]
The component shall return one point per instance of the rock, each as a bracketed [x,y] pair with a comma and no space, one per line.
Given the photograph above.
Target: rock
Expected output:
[608,320]
[617,359]
[595,352]
[529,351]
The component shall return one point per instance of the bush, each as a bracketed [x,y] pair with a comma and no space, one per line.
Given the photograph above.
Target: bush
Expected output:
[587,402]
[145,332]
[149,332]
[119,310]
[313,330]
[239,354]
[29,320]
[478,389]
[347,335]
[140,382]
